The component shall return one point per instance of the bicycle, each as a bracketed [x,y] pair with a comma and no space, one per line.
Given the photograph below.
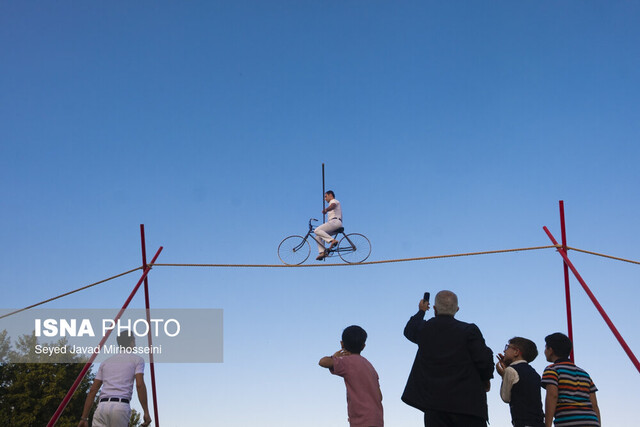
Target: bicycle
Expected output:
[352,248]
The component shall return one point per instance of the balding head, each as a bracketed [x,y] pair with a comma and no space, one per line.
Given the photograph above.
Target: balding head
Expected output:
[446,303]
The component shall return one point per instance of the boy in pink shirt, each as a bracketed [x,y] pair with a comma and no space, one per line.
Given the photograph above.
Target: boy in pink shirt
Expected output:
[364,398]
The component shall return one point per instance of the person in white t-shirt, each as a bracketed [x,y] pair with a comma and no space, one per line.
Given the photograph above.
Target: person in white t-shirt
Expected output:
[116,376]
[334,222]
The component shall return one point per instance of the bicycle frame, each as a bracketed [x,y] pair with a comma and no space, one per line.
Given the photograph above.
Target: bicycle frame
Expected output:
[353,248]
[329,252]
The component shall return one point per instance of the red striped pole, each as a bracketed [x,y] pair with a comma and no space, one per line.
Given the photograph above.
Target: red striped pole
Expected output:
[567,289]
[595,302]
[54,419]
[152,368]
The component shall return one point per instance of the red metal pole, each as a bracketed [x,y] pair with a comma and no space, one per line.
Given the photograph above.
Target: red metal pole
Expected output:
[567,290]
[595,302]
[67,398]
[146,302]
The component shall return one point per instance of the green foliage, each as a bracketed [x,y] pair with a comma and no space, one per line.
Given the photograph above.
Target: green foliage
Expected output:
[136,419]
[31,392]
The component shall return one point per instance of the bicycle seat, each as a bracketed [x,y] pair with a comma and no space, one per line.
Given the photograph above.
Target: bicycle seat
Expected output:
[339,230]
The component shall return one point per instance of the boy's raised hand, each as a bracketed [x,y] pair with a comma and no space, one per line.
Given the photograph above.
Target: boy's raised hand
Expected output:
[327,361]
[423,305]
[342,352]
[500,366]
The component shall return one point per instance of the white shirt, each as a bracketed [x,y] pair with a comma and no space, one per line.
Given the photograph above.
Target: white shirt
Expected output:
[509,378]
[118,373]
[336,212]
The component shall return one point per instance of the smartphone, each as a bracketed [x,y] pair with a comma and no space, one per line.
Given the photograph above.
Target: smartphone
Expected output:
[426,296]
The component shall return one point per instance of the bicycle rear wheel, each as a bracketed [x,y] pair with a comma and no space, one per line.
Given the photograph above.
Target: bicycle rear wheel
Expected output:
[354,248]
[293,250]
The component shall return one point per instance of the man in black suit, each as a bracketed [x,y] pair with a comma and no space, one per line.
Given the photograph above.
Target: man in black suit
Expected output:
[450,376]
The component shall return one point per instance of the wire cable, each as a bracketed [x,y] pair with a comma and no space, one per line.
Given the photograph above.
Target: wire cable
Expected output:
[69,293]
[604,256]
[357,264]
[388,261]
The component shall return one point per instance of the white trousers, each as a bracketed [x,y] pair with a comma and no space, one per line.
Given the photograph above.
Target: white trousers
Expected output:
[324,232]
[112,414]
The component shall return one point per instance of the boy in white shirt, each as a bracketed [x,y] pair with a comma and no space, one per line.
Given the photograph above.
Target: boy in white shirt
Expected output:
[521,383]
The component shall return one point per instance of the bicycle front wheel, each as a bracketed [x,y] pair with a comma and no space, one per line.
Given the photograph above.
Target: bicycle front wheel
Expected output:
[293,250]
[354,248]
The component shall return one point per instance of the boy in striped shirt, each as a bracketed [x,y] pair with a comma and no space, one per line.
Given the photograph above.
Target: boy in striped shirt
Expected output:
[571,394]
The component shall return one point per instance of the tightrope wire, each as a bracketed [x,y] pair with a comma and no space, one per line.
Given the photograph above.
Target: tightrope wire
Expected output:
[604,256]
[388,261]
[70,292]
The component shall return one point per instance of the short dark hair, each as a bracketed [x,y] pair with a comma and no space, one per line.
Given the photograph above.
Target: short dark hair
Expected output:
[353,338]
[527,348]
[560,344]
[330,192]
[125,338]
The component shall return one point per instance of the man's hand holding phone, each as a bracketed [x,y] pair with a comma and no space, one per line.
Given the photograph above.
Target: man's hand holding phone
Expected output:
[424,302]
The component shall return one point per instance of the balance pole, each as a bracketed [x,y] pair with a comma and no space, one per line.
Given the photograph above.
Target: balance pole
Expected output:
[595,302]
[152,368]
[323,206]
[54,419]
[567,289]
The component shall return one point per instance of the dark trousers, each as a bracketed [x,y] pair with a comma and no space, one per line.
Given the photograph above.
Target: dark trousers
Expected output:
[449,419]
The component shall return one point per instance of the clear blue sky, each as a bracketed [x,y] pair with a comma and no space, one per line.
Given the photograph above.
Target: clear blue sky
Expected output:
[445,127]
